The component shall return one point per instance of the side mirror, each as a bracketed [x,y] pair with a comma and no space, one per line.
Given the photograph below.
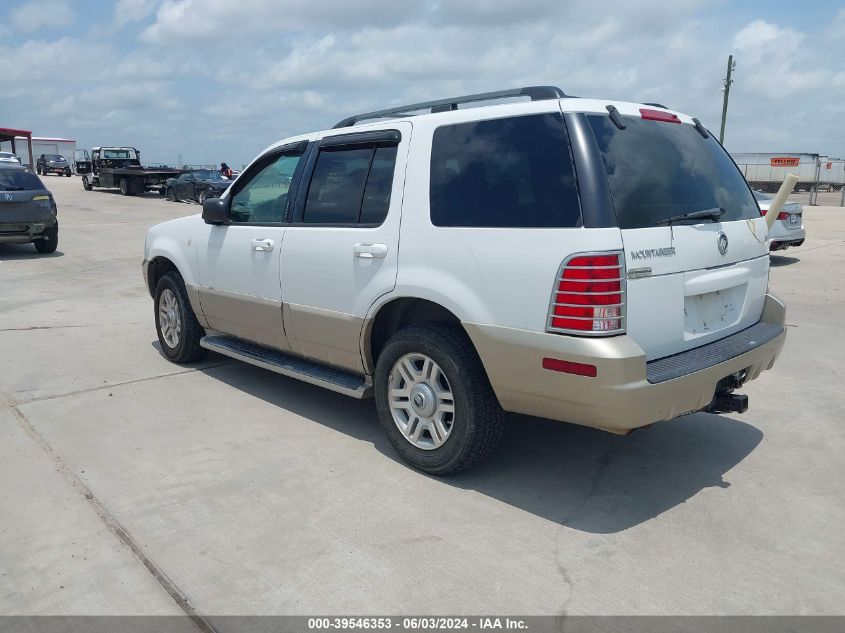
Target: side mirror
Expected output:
[215,211]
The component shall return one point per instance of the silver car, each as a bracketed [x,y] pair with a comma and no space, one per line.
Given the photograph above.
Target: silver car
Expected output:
[9,157]
[788,229]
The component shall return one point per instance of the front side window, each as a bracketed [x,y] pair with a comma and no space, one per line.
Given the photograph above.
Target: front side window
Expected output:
[351,185]
[515,172]
[264,197]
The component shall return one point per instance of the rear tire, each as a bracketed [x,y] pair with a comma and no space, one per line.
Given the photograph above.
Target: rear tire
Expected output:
[125,187]
[178,330]
[50,241]
[430,377]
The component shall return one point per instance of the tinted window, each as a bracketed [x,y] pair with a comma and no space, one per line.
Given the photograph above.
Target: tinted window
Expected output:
[657,170]
[379,185]
[19,180]
[264,196]
[514,172]
[337,185]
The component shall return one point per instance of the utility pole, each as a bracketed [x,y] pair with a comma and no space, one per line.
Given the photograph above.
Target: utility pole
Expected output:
[727,91]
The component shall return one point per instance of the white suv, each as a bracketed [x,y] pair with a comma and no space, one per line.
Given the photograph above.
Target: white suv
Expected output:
[595,262]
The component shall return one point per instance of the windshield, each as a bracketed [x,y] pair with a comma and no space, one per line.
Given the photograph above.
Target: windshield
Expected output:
[53,157]
[7,155]
[208,175]
[658,170]
[117,153]
[19,180]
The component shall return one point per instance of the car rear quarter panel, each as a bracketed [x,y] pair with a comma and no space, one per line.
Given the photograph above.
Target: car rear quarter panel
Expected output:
[500,276]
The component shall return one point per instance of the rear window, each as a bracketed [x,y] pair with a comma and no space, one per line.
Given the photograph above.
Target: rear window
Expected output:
[19,180]
[515,172]
[658,170]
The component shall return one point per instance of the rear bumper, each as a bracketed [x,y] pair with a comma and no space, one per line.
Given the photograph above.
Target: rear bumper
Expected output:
[627,392]
[25,231]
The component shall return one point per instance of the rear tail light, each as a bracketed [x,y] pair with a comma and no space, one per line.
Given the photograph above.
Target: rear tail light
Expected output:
[589,295]
[783,215]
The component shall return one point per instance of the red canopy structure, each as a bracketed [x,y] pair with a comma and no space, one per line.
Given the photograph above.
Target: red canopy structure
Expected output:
[9,134]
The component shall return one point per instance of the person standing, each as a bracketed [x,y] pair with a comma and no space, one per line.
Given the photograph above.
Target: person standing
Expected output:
[225,170]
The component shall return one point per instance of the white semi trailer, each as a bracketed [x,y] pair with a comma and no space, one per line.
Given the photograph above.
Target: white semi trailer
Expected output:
[766,172]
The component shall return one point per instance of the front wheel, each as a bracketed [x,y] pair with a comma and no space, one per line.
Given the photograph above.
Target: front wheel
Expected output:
[171,195]
[434,399]
[202,197]
[86,185]
[178,330]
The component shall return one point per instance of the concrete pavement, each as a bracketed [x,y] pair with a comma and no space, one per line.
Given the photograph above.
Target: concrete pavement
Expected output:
[130,484]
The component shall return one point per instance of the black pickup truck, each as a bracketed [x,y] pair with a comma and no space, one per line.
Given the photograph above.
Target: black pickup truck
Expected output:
[120,167]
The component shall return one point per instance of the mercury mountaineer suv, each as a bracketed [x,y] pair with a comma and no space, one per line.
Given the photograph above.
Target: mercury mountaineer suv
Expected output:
[596,262]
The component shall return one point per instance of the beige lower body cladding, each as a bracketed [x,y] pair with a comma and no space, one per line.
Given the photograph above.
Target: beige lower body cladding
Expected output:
[619,398]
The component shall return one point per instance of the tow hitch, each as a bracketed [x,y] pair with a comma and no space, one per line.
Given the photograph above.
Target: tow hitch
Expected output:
[724,400]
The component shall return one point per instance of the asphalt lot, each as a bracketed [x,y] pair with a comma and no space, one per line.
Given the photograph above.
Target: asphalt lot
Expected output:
[126,480]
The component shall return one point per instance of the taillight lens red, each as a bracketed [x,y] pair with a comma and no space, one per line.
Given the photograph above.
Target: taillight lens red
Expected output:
[589,295]
[783,215]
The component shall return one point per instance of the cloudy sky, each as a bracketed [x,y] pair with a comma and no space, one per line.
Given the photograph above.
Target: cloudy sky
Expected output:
[219,80]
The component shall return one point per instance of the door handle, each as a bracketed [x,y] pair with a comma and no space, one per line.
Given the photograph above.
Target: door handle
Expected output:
[369,251]
[262,245]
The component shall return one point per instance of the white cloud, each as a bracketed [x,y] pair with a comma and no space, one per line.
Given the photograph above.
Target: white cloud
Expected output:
[217,77]
[128,11]
[41,14]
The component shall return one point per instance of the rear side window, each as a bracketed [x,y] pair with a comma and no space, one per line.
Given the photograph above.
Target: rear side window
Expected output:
[351,185]
[19,180]
[657,170]
[515,172]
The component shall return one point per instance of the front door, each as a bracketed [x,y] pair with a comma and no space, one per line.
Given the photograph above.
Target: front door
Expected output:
[184,186]
[341,249]
[240,287]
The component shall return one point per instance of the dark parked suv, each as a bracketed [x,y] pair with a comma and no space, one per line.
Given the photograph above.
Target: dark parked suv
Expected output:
[52,164]
[27,210]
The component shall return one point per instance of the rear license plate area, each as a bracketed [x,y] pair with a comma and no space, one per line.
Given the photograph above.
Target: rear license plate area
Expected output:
[713,311]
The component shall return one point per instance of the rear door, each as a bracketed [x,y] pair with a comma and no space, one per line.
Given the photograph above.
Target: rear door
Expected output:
[689,282]
[341,250]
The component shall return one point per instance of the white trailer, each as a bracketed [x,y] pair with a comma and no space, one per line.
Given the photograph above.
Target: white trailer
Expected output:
[767,171]
[46,145]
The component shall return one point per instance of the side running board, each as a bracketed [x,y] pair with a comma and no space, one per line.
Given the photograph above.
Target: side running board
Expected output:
[340,380]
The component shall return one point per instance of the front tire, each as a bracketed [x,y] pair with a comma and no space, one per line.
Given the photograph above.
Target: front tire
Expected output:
[171,195]
[86,185]
[50,240]
[434,399]
[178,330]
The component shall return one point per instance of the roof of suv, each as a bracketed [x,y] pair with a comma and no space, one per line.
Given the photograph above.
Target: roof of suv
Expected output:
[484,106]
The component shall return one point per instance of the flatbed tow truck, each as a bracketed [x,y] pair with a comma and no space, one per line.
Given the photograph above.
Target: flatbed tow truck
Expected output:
[120,168]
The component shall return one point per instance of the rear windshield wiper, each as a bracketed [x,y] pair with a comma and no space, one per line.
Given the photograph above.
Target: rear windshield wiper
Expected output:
[14,188]
[704,214]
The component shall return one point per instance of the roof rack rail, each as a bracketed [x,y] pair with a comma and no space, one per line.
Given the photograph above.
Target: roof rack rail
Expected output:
[535,93]
[656,105]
